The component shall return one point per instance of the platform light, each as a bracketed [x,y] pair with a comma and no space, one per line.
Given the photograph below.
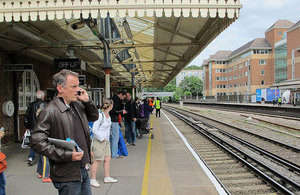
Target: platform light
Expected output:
[127,29]
[78,25]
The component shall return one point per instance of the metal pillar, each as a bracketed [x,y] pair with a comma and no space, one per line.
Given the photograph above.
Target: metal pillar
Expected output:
[133,87]
[107,83]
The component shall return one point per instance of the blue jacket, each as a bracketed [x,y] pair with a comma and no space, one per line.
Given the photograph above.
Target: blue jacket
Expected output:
[147,110]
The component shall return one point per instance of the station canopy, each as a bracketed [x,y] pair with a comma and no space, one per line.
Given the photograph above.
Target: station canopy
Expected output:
[150,40]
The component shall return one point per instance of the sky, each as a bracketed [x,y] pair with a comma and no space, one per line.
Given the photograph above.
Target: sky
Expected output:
[256,16]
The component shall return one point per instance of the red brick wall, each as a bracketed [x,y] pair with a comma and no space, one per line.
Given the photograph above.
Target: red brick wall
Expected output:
[293,42]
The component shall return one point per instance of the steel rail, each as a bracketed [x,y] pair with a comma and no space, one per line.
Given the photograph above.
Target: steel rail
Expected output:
[291,166]
[221,143]
[260,136]
[280,114]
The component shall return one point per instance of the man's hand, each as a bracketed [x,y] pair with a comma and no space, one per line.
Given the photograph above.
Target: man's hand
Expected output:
[83,96]
[76,156]
[92,155]
[134,119]
[124,111]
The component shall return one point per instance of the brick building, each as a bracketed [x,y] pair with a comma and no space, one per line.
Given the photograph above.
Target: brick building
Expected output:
[258,64]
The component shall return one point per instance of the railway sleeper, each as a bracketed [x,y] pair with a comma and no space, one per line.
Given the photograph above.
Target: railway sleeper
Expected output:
[257,189]
[220,171]
[228,168]
[253,181]
[219,162]
[213,155]
[218,158]
[236,176]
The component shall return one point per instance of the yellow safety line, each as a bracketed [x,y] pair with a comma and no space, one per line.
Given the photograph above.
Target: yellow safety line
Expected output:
[147,165]
[44,167]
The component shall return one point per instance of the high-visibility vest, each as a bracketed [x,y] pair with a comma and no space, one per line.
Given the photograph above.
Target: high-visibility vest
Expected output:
[157,104]
[150,102]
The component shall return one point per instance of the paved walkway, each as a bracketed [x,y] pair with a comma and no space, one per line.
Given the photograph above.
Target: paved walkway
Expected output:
[162,165]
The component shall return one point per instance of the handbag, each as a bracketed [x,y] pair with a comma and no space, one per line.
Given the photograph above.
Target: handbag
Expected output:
[26,140]
[3,163]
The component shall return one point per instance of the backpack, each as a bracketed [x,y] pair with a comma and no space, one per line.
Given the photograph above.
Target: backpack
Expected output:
[92,123]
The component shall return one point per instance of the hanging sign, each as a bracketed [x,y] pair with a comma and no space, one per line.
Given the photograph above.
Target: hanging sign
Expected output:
[72,63]
[17,67]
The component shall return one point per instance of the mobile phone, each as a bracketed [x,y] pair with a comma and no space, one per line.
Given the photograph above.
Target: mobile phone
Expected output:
[79,93]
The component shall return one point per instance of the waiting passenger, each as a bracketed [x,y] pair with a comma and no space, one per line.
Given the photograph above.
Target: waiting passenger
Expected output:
[101,145]
[114,114]
[130,118]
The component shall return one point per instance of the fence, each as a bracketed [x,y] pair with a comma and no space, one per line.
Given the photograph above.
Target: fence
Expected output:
[220,98]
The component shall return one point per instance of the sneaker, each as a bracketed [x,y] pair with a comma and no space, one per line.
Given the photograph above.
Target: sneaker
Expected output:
[29,161]
[110,180]
[40,176]
[46,180]
[94,183]
[133,144]
[127,144]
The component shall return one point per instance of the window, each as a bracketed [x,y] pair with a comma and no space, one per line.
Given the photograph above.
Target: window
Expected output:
[262,82]
[246,73]
[262,62]
[27,89]
[262,72]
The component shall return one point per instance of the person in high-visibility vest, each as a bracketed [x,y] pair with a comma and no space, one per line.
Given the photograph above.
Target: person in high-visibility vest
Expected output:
[157,105]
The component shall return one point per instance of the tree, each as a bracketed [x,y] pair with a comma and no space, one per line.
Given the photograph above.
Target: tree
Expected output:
[193,67]
[171,86]
[192,84]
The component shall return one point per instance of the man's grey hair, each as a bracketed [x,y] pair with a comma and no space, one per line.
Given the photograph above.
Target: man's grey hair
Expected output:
[60,78]
[40,94]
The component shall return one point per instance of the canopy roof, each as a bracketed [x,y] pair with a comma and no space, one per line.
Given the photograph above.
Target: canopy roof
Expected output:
[162,37]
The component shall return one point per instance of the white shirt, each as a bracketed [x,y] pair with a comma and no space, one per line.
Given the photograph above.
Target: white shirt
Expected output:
[102,132]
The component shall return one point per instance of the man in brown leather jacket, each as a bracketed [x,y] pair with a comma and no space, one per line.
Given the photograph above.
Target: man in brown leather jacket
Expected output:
[66,116]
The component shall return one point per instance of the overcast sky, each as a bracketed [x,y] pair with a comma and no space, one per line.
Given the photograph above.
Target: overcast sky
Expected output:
[255,18]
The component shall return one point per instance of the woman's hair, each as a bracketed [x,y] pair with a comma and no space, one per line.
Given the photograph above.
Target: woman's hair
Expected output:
[106,104]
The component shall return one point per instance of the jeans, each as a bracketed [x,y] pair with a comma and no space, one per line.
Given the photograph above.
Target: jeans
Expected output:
[43,166]
[2,183]
[32,152]
[82,187]
[157,112]
[114,139]
[130,132]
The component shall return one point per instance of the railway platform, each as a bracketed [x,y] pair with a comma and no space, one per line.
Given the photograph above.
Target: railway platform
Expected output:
[163,165]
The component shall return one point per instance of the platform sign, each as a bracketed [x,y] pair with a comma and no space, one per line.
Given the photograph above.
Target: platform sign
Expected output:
[17,67]
[70,64]
[258,95]
[82,80]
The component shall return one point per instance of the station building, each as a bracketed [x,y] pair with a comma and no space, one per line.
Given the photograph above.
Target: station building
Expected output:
[261,63]
[113,45]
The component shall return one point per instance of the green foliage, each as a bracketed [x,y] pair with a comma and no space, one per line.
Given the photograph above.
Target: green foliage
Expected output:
[193,67]
[188,86]
[192,84]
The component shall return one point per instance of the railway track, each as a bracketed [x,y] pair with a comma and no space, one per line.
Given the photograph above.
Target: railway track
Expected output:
[238,171]
[261,112]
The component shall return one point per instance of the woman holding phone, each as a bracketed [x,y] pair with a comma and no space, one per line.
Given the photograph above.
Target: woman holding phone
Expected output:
[101,145]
